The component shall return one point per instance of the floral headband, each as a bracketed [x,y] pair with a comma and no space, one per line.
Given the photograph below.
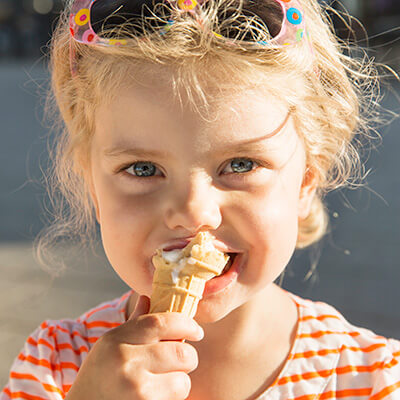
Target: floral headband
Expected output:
[88,18]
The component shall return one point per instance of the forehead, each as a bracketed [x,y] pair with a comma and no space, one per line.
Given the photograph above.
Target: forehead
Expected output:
[202,86]
[148,109]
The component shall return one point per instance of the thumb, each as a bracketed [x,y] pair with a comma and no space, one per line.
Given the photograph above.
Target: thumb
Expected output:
[142,307]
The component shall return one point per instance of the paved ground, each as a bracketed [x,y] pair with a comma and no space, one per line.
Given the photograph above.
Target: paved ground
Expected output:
[358,270]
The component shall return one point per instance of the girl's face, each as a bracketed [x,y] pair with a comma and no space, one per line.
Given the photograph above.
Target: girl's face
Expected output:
[159,172]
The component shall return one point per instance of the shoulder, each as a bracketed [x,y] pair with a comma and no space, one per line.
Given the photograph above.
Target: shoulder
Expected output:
[322,321]
[53,353]
[353,359]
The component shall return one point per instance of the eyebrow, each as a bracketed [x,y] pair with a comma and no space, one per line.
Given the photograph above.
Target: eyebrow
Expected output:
[253,144]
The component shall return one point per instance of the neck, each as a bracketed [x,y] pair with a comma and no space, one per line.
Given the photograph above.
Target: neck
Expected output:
[250,326]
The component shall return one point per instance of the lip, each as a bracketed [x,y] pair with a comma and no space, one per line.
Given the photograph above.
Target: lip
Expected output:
[176,244]
[219,283]
[182,243]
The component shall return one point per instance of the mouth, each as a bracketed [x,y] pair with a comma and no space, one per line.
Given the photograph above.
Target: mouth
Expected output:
[228,276]
[228,265]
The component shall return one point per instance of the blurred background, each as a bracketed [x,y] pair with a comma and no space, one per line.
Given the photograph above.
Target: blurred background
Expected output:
[357,267]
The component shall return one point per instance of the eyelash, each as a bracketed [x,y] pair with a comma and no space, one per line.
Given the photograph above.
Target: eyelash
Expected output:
[239,175]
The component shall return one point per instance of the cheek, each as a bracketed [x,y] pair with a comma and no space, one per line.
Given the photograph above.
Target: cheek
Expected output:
[124,209]
[271,210]
[126,221]
[125,217]
[270,225]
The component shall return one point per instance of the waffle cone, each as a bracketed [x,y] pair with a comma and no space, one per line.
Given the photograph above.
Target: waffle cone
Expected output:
[178,285]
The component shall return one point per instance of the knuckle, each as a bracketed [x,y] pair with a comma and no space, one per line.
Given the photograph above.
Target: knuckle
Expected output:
[186,354]
[181,352]
[154,322]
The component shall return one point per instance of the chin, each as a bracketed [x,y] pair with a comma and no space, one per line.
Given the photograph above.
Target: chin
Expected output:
[208,313]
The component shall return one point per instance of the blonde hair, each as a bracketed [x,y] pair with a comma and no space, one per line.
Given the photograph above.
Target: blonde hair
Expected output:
[332,96]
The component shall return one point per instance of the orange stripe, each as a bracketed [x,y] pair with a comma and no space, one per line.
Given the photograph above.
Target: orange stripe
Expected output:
[340,394]
[92,339]
[365,368]
[383,393]
[305,376]
[51,329]
[79,351]
[318,334]
[305,397]
[89,314]
[23,395]
[340,370]
[324,352]
[60,346]
[368,349]
[46,364]
[312,353]
[42,362]
[44,342]
[46,386]
[60,328]
[319,318]
[390,364]
[335,394]
[396,354]
[101,324]
[66,388]
[69,365]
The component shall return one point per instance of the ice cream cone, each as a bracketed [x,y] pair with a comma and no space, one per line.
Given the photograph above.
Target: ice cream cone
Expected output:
[180,275]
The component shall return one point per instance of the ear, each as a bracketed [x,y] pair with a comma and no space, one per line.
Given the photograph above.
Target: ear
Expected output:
[307,192]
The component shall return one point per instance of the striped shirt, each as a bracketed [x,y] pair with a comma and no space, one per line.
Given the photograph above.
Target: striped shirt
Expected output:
[330,358]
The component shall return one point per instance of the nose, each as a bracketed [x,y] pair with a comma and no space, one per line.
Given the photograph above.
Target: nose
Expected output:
[194,206]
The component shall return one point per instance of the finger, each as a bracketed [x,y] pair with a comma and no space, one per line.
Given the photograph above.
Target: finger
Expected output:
[164,357]
[152,328]
[173,386]
[142,307]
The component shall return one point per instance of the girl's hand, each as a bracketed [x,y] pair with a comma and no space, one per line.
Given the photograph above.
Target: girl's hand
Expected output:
[141,359]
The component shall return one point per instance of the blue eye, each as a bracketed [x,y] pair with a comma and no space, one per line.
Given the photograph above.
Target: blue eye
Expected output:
[143,169]
[242,165]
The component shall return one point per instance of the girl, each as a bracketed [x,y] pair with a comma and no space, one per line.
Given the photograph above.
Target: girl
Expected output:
[228,116]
